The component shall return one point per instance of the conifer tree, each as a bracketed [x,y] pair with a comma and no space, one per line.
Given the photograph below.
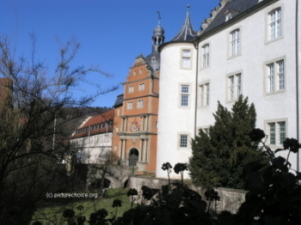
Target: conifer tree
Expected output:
[218,157]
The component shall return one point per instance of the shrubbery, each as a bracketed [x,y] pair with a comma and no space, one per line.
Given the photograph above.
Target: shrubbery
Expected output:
[273,198]
[220,154]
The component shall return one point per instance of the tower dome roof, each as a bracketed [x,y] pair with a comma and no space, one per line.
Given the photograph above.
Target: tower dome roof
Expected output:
[158,30]
[153,59]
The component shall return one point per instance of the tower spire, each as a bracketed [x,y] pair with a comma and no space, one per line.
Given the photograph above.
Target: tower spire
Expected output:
[187,32]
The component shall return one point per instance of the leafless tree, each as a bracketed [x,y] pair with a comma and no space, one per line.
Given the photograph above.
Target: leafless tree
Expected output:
[31,113]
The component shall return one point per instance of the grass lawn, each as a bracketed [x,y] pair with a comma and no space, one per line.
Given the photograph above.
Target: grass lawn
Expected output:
[53,215]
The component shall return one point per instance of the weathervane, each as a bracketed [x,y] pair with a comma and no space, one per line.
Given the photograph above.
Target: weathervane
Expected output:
[159,17]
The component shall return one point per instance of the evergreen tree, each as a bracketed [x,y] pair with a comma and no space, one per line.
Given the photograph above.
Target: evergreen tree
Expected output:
[218,158]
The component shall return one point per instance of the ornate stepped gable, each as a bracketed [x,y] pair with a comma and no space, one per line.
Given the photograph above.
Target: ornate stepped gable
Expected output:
[140,60]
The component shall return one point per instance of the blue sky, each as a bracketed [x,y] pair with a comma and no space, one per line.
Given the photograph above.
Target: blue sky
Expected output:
[112,33]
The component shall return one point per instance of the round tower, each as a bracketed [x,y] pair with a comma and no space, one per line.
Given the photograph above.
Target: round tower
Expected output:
[177,98]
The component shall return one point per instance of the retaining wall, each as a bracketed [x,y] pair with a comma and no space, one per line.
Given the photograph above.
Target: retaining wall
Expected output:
[230,199]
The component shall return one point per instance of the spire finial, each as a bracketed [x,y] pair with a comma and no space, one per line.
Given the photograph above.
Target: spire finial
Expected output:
[159,17]
[188,9]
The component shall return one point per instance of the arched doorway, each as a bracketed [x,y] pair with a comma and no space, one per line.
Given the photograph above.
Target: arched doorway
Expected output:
[133,157]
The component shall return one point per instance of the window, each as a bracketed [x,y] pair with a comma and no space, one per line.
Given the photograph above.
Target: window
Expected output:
[184,95]
[234,87]
[140,104]
[131,89]
[276,132]
[235,42]
[274,24]
[204,94]
[275,76]
[183,141]
[186,59]
[141,87]
[205,56]
[130,105]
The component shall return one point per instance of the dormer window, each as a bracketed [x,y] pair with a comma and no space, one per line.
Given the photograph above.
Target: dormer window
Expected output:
[228,16]
[154,59]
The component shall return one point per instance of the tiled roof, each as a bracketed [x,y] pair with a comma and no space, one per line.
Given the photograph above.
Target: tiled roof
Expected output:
[236,7]
[95,125]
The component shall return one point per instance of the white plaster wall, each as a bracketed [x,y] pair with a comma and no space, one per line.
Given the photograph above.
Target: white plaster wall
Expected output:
[93,147]
[256,52]
[299,67]
[174,119]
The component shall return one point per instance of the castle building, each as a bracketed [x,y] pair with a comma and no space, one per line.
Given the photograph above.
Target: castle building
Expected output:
[93,139]
[248,47]
[136,111]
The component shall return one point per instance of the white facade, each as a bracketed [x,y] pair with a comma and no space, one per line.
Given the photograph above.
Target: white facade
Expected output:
[255,54]
[92,149]
[92,140]
[176,117]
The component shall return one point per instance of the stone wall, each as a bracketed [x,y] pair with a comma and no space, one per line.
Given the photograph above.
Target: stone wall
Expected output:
[117,175]
[139,181]
[230,199]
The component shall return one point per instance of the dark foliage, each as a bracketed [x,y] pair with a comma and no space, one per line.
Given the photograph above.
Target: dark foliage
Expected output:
[181,206]
[148,193]
[35,119]
[212,196]
[98,217]
[291,144]
[257,134]
[68,213]
[116,203]
[218,157]
[37,223]
[166,166]
[273,198]
[132,192]
[180,167]
[81,220]
[274,192]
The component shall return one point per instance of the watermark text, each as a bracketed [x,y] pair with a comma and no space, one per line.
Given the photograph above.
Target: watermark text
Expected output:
[71,195]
